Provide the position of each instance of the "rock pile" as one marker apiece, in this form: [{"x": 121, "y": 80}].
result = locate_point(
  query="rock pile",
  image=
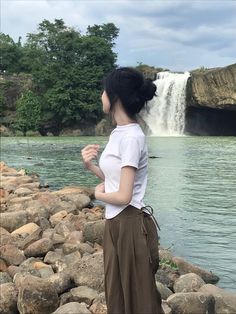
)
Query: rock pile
[{"x": 51, "y": 256}]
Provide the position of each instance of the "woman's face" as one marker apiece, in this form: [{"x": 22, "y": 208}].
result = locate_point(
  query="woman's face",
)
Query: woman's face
[{"x": 105, "y": 102}]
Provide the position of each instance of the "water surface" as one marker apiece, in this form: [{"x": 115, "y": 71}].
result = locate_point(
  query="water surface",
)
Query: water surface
[{"x": 192, "y": 187}]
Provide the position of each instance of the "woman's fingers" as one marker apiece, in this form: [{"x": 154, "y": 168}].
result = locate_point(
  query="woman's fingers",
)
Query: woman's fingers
[
  {"x": 89, "y": 152},
  {"x": 91, "y": 146}
]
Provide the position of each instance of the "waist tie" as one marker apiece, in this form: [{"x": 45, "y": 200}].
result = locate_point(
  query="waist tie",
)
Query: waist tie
[
  {"x": 150, "y": 214},
  {"x": 143, "y": 228}
]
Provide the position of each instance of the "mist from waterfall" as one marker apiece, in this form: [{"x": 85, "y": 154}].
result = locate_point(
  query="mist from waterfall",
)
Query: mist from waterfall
[{"x": 166, "y": 116}]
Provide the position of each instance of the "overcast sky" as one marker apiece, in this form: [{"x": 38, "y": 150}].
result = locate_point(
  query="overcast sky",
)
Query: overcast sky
[{"x": 178, "y": 35}]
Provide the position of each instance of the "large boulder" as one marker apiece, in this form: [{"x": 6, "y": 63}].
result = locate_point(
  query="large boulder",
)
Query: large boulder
[
  {"x": 93, "y": 231},
  {"x": 13, "y": 220},
  {"x": 89, "y": 271},
  {"x": 191, "y": 303},
  {"x": 186, "y": 267},
  {"x": 188, "y": 283},
  {"x": 225, "y": 302},
  {"x": 8, "y": 298},
  {"x": 36, "y": 296},
  {"x": 72, "y": 307}
]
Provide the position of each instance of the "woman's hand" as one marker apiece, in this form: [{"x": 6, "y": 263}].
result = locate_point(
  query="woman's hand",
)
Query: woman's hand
[
  {"x": 89, "y": 153},
  {"x": 100, "y": 188}
]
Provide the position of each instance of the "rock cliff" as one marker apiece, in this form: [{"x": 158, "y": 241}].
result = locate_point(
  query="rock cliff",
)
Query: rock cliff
[{"x": 213, "y": 88}]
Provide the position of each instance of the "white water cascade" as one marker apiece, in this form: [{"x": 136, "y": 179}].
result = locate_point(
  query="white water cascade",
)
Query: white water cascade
[{"x": 166, "y": 116}]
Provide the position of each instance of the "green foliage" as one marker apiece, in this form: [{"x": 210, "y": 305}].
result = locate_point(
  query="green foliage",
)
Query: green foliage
[
  {"x": 28, "y": 112},
  {"x": 67, "y": 69},
  {"x": 168, "y": 263},
  {"x": 11, "y": 54}
]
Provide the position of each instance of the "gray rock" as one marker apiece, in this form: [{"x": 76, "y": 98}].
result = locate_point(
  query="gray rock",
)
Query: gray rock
[
  {"x": 4, "y": 278},
  {"x": 52, "y": 256},
  {"x": 85, "y": 248},
  {"x": 188, "y": 283},
  {"x": 93, "y": 231},
  {"x": 61, "y": 281},
  {"x": 225, "y": 302},
  {"x": 72, "y": 307},
  {"x": 69, "y": 248},
  {"x": 11, "y": 254},
  {"x": 83, "y": 294},
  {"x": 13, "y": 220},
  {"x": 39, "y": 248},
  {"x": 185, "y": 267},
  {"x": 36, "y": 296},
  {"x": 8, "y": 298},
  {"x": 64, "y": 228},
  {"x": 35, "y": 210},
  {"x": 191, "y": 303},
  {"x": 164, "y": 291},
  {"x": 88, "y": 271}
]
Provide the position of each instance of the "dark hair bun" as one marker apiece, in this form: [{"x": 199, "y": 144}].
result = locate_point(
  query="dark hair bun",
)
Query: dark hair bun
[{"x": 148, "y": 89}]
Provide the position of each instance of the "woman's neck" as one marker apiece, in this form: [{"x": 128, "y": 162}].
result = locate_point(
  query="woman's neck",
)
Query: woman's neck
[{"x": 121, "y": 118}]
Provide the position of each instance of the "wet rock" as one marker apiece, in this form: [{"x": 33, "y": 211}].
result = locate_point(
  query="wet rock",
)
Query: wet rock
[
  {"x": 88, "y": 271},
  {"x": 13, "y": 220},
  {"x": 185, "y": 267},
  {"x": 72, "y": 307},
  {"x": 93, "y": 231},
  {"x": 191, "y": 303},
  {"x": 8, "y": 298},
  {"x": 83, "y": 294},
  {"x": 188, "y": 283},
  {"x": 39, "y": 248},
  {"x": 11, "y": 254},
  {"x": 36, "y": 296}
]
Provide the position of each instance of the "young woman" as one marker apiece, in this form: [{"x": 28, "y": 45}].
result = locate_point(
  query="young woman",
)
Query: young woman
[{"x": 131, "y": 256}]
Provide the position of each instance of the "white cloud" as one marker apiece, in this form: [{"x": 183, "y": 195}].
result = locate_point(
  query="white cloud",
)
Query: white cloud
[{"x": 171, "y": 34}]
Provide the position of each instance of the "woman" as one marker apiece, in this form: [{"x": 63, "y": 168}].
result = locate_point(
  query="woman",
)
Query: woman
[{"x": 130, "y": 237}]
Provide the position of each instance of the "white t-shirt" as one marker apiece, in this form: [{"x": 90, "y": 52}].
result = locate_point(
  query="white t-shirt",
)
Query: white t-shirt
[{"x": 126, "y": 147}]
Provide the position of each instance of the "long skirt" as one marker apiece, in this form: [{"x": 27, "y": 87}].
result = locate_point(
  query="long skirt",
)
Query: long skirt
[{"x": 131, "y": 260}]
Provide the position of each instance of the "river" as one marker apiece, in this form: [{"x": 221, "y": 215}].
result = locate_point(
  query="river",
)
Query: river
[{"x": 191, "y": 185}]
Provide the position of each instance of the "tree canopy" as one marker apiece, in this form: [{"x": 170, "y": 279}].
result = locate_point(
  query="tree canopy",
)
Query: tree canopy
[{"x": 67, "y": 69}]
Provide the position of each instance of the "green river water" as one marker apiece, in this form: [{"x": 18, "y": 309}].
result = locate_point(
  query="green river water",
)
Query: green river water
[{"x": 191, "y": 185}]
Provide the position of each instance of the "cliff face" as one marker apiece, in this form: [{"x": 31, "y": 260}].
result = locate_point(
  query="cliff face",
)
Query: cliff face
[
  {"x": 213, "y": 88},
  {"x": 211, "y": 102}
]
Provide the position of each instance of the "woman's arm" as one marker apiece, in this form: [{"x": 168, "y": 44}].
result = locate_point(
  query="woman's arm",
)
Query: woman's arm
[
  {"x": 124, "y": 194},
  {"x": 88, "y": 153}
]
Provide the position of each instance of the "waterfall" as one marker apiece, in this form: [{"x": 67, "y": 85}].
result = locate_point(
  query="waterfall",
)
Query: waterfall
[{"x": 166, "y": 114}]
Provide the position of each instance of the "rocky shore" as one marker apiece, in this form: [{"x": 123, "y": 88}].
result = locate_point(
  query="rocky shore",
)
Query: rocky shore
[{"x": 51, "y": 256}]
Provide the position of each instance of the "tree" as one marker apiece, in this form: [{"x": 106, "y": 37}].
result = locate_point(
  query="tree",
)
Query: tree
[
  {"x": 108, "y": 31},
  {"x": 67, "y": 69},
  {"x": 28, "y": 112},
  {"x": 10, "y": 54}
]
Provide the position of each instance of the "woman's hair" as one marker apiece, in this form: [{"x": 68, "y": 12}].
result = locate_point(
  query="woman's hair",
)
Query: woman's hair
[{"x": 130, "y": 87}]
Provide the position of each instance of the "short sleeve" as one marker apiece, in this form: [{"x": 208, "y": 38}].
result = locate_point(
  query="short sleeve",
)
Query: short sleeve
[{"x": 130, "y": 152}]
